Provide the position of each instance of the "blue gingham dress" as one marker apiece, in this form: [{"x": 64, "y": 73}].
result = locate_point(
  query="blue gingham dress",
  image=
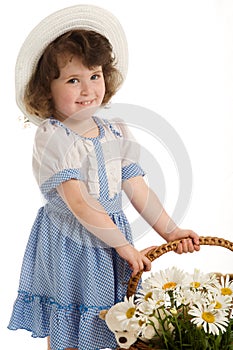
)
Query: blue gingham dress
[{"x": 68, "y": 275}]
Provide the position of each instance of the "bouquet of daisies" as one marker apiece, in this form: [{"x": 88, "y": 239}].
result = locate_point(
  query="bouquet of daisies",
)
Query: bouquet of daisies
[{"x": 176, "y": 310}]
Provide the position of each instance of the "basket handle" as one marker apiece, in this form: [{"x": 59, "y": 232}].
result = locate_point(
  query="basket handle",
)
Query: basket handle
[{"x": 155, "y": 253}]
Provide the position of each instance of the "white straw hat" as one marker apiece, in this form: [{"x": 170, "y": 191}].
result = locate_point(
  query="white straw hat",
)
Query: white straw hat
[{"x": 87, "y": 17}]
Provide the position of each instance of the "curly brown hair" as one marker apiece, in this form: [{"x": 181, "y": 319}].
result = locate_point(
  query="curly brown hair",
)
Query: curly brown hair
[{"x": 91, "y": 47}]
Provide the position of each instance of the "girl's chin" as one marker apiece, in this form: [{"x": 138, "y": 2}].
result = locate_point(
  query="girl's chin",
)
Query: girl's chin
[
  {"x": 82, "y": 114},
  {"x": 85, "y": 113}
]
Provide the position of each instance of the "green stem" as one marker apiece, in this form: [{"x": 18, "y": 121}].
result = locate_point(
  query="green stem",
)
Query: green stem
[{"x": 180, "y": 333}]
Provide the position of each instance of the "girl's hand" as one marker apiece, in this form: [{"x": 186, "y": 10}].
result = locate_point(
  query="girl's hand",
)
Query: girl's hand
[
  {"x": 190, "y": 240},
  {"x": 136, "y": 260}
]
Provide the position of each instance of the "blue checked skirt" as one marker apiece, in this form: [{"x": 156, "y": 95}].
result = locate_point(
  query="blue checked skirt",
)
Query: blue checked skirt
[{"x": 65, "y": 283}]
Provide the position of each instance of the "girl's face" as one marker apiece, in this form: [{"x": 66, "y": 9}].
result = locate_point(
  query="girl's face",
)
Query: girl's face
[{"x": 77, "y": 89}]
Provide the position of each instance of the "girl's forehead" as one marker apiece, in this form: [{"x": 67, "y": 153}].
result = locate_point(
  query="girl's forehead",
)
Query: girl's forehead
[
  {"x": 73, "y": 65},
  {"x": 68, "y": 59}
]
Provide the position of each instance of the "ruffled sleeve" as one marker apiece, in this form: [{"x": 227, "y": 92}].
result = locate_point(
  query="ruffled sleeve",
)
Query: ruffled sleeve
[
  {"x": 56, "y": 156},
  {"x": 130, "y": 151}
]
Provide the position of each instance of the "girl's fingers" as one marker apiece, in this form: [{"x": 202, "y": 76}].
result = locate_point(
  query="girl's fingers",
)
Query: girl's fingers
[
  {"x": 179, "y": 249},
  {"x": 147, "y": 264},
  {"x": 190, "y": 245},
  {"x": 135, "y": 266},
  {"x": 197, "y": 247},
  {"x": 143, "y": 264},
  {"x": 187, "y": 246}
]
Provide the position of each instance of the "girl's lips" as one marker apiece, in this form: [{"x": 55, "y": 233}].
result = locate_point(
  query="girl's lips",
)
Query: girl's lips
[{"x": 85, "y": 103}]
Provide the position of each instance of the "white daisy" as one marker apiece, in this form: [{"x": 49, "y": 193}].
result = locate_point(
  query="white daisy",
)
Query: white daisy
[
  {"x": 199, "y": 280},
  {"x": 150, "y": 307},
  {"x": 147, "y": 284},
  {"x": 221, "y": 302},
  {"x": 168, "y": 279},
  {"x": 149, "y": 301},
  {"x": 225, "y": 286},
  {"x": 122, "y": 316},
  {"x": 144, "y": 295},
  {"x": 126, "y": 312},
  {"x": 212, "y": 320},
  {"x": 185, "y": 297}
]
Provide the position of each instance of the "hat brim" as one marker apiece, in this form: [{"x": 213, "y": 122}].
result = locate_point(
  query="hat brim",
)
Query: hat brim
[{"x": 87, "y": 17}]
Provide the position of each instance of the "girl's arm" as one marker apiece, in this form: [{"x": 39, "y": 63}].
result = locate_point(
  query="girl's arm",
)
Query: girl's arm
[
  {"x": 148, "y": 205},
  {"x": 95, "y": 219}
]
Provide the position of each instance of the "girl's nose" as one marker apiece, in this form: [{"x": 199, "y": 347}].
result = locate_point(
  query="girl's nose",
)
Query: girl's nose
[{"x": 85, "y": 88}]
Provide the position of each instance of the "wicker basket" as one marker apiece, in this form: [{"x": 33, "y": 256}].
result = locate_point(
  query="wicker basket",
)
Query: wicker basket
[{"x": 156, "y": 253}]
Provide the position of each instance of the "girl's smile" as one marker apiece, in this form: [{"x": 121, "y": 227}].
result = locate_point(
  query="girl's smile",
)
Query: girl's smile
[{"x": 76, "y": 89}]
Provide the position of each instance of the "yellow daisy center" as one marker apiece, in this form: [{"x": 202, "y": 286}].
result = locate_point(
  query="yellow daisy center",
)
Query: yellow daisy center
[
  {"x": 141, "y": 323},
  {"x": 208, "y": 317},
  {"x": 148, "y": 296},
  {"x": 130, "y": 312},
  {"x": 226, "y": 291},
  {"x": 169, "y": 285},
  {"x": 195, "y": 284},
  {"x": 218, "y": 305}
]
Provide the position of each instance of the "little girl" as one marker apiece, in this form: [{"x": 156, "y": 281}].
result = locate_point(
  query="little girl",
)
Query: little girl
[{"x": 80, "y": 253}]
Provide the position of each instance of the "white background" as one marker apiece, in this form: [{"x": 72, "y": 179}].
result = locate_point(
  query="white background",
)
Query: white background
[{"x": 181, "y": 67}]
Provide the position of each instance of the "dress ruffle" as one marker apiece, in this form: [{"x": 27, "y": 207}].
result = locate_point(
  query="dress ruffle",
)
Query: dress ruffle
[{"x": 73, "y": 324}]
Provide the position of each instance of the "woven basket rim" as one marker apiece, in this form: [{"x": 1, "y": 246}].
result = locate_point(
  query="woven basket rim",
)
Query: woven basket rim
[{"x": 155, "y": 253}]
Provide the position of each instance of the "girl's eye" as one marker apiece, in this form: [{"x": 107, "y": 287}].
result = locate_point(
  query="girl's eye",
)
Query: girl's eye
[
  {"x": 95, "y": 76},
  {"x": 73, "y": 81}
]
